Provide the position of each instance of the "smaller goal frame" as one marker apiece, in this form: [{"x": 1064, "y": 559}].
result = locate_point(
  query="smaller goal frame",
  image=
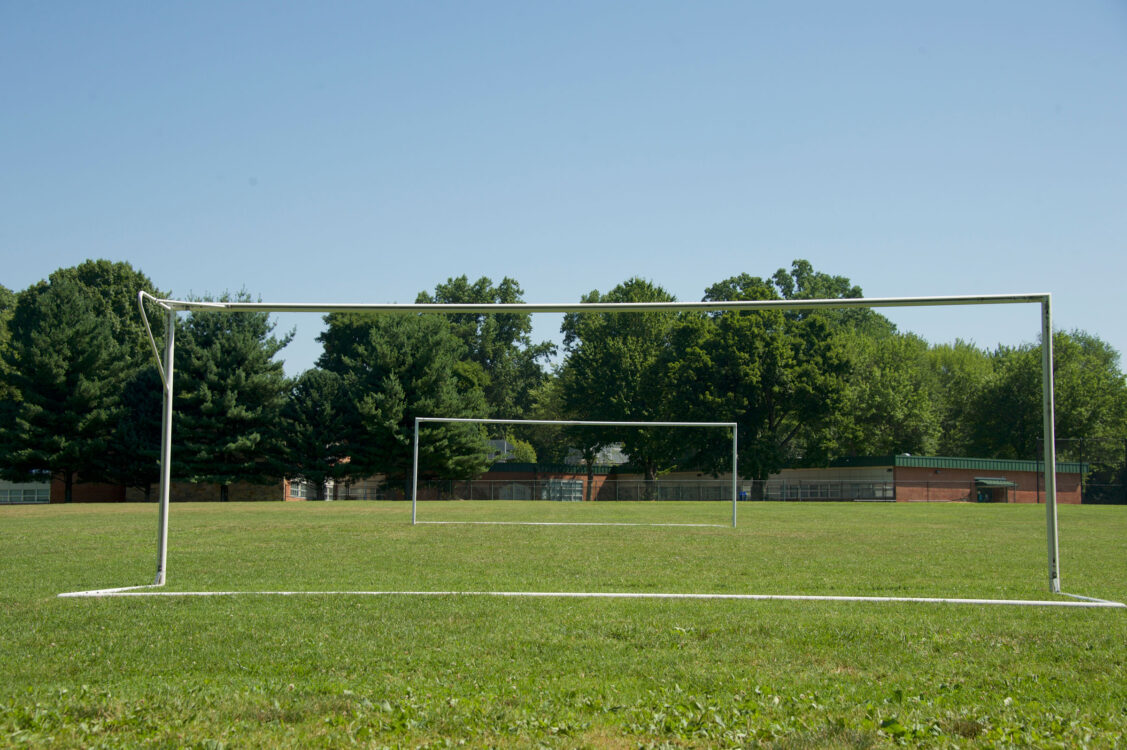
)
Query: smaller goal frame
[{"x": 565, "y": 422}]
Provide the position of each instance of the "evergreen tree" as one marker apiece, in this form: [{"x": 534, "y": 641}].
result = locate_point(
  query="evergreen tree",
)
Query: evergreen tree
[
  {"x": 112, "y": 287},
  {"x": 8, "y": 393},
  {"x": 393, "y": 369},
  {"x": 313, "y": 427},
  {"x": 7, "y": 306},
  {"x": 67, "y": 368},
  {"x": 135, "y": 444},
  {"x": 229, "y": 393}
]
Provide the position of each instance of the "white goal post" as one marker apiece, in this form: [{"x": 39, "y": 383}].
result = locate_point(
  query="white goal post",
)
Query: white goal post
[
  {"x": 172, "y": 306},
  {"x": 419, "y": 421}
]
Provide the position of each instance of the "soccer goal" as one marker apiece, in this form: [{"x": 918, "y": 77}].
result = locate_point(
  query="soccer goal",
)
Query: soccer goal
[
  {"x": 171, "y": 307},
  {"x": 420, "y": 421}
]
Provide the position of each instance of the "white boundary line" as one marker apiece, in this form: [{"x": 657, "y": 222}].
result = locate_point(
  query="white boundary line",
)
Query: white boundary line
[
  {"x": 1087, "y": 598},
  {"x": 136, "y": 591},
  {"x": 574, "y": 523}
]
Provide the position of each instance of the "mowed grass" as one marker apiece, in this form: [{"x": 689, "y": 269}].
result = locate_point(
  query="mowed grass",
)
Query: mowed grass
[{"x": 483, "y": 671}]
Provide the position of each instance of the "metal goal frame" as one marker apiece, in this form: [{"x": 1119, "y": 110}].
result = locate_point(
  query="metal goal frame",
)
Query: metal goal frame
[{"x": 171, "y": 307}]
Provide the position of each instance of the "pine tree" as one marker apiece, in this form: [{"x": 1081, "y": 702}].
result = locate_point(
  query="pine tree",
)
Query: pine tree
[
  {"x": 395, "y": 368},
  {"x": 313, "y": 424},
  {"x": 229, "y": 393},
  {"x": 135, "y": 448},
  {"x": 66, "y": 367}
]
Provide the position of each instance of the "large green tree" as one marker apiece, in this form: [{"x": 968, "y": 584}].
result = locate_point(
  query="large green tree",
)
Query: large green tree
[
  {"x": 889, "y": 404},
  {"x": 614, "y": 370},
  {"x": 112, "y": 287},
  {"x": 781, "y": 377},
  {"x": 7, "y": 307},
  {"x": 135, "y": 440},
  {"x": 499, "y": 343},
  {"x": 958, "y": 373},
  {"x": 1091, "y": 401},
  {"x": 229, "y": 392},
  {"x": 550, "y": 442},
  {"x": 803, "y": 282},
  {"x": 394, "y": 368},
  {"x": 314, "y": 425},
  {"x": 67, "y": 368}
]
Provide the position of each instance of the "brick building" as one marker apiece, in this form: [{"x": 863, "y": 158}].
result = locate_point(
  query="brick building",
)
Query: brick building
[
  {"x": 907, "y": 478},
  {"x": 901, "y": 478}
]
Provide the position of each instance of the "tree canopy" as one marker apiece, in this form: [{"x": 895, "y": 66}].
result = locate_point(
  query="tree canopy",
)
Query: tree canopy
[
  {"x": 7, "y": 308},
  {"x": 313, "y": 424},
  {"x": 230, "y": 390},
  {"x": 80, "y": 397},
  {"x": 499, "y": 344},
  {"x": 394, "y": 368},
  {"x": 67, "y": 368},
  {"x": 780, "y": 376},
  {"x": 615, "y": 371}
]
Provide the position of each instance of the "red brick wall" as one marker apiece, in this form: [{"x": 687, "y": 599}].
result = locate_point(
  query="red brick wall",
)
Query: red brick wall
[
  {"x": 87, "y": 492},
  {"x": 914, "y": 484},
  {"x": 181, "y": 492},
  {"x": 597, "y": 483}
]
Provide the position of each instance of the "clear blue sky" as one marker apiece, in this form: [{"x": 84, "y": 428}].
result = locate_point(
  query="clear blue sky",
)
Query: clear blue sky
[{"x": 364, "y": 151}]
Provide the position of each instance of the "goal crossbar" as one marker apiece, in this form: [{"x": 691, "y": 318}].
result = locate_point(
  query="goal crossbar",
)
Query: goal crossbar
[
  {"x": 419, "y": 421},
  {"x": 496, "y": 308},
  {"x": 171, "y": 307}
]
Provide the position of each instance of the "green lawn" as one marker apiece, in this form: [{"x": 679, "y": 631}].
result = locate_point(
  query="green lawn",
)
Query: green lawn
[{"x": 484, "y": 671}]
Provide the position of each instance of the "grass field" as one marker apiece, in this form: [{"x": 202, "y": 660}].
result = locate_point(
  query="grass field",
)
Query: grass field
[{"x": 481, "y": 671}]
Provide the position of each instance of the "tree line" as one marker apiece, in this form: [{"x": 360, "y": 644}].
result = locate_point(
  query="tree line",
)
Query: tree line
[{"x": 80, "y": 395}]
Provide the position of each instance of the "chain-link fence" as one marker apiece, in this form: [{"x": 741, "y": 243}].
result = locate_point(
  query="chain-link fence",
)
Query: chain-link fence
[{"x": 574, "y": 490}]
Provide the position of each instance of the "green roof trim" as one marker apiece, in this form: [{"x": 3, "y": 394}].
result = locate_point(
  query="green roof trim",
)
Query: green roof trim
[
  {"x": 947, "y": 462},
  {"x": 993, "y": 482}
]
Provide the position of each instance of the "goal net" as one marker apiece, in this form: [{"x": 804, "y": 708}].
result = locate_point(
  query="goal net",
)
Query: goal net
[{"x": 574, "y": 483}]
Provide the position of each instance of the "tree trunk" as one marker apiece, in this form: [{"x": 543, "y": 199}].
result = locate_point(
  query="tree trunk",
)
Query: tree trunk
[
  {"x": 651, "y": 478},
  {"x": 758, "y": 489},
  {"x": 224, "y": 495}
]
